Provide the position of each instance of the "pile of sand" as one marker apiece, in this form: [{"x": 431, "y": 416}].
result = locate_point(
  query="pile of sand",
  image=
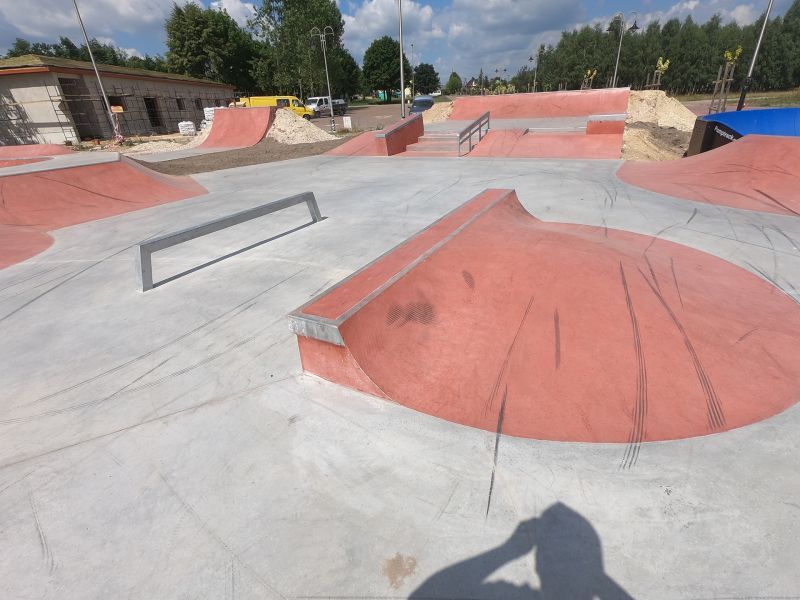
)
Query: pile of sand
[
  {"x": 289, "y": 128},
  {"x": 438, "y": 112},
  {"x": 654, "y": 106},
  {"x": 648, "y": 141}
]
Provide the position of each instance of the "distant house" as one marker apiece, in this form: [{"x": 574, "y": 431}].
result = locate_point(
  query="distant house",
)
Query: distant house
[{"x": 55, "y": 100}]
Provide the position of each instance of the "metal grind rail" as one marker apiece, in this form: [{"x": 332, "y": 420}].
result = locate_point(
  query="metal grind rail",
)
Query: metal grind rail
[
  {"x": 470, "y": 130},
  {"x": 144, "y": 267}
]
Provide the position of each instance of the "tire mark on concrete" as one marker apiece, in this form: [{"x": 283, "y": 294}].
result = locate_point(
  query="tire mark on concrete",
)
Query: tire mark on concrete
[
  {"x": 507, "y": 359},
  {"x": 58, "y": 285},
  {"x": 694, "y": 214},
  {"x": 675, "y": 279},
  {"x": 637, "y": 434},
  {"x": 221, "y": 318},
  {"x": 714, "y": 412},
  {"x": 204, "y": 526},
  {"x": 47, "y": 554},
  {"x": 499, "y": 432}
]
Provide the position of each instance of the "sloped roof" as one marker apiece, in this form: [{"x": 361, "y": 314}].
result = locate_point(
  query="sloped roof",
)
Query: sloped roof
[{"x": 36, "y": 60}]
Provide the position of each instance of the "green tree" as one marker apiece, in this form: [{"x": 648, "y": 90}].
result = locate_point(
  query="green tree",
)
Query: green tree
[
  {"x": 426, "y": 79},
  {"x": 208, "y": 43},
  {"x": 381, "y": 69},
  {"x": 289, "y": 59},
  {"x": 453, "y": 84}
]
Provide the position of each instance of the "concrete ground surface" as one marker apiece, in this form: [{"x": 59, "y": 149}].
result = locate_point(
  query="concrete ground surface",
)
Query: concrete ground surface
[{"x": 168, "y": 445}]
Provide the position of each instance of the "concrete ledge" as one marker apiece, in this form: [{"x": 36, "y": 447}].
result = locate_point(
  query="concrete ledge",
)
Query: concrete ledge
[
  {"x": 599, "y": 124},
  {"x": 398, "y": 136}
]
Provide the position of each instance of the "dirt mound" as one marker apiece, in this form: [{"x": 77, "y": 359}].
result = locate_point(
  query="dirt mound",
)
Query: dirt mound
[
  {"x": 648, "y": 141},
  {"x": 655, "y": 107},
  {"x": 288, "y": 128},
  {"x": 438, "y": 112}
]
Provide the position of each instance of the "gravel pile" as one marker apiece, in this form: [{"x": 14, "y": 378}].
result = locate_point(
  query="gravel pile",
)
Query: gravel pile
[
  {"x": 654, "y": 106},
  {"x": 438, "y": 112},
  {"x": 147, "y": 147},
  {"x": 289, "y": 128}
]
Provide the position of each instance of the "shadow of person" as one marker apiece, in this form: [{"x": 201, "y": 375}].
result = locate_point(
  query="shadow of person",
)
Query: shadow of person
[{"x": 569, "y": 564}]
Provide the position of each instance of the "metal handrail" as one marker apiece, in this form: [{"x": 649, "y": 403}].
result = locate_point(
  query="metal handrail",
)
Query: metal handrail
[
  {"x": 145, "y": 250},
  {"x": 475, "y": 127}
]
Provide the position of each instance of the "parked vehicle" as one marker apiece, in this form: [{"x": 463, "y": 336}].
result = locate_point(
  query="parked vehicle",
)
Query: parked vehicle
[
  {"x": 291, "y": 102},
  {"x": 319, "y": 104},
  {"x": 421, "y": 104}
]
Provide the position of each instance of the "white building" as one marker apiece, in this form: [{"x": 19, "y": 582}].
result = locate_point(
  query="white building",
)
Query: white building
[{"x": 55, "y": 100}]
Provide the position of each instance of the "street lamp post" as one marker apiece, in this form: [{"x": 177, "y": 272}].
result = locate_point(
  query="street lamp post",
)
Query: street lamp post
[
  {"x": 111, "y": 118},
  {"x": 402, "y": 74},
  {"x": 622, "y": 28},
  {"x": 315, "y": 32},
  {"x": 413, "y": 75},
  {"x": 748, "y": 80}
]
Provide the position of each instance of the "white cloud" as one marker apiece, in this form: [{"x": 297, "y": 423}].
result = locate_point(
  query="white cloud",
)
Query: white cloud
[
  {"x": 376, "y": 18},
  {"x": 53, "y": 18},
  {"x": 238, "y": 10}
]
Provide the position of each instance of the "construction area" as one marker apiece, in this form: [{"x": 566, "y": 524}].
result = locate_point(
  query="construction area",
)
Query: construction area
[{"x": 519, "y": 346}]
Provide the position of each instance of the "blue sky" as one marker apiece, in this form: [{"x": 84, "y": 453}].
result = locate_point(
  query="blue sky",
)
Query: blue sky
[{"x": 465, "y": 35}]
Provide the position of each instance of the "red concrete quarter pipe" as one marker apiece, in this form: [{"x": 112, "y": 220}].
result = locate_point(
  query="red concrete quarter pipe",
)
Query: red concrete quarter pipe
[
  {"x": 756, "y": 172},
  {"x": 577, "y": 103},
  {"x": 239, "y": 127},
  {"x": 494, "y": 319},
  {"x": 38, "y": 202}
]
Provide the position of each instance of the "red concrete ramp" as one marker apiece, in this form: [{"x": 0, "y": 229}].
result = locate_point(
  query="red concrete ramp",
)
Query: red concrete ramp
[
  {"x": 576, "y": 103},
  {"x": 493, "y": 319},
  {"x": 756, "y": 172},
  {"x": 34, "y": 203},
  {"x": 239, "y": 127},
  {"x": 33, "y": 150}
]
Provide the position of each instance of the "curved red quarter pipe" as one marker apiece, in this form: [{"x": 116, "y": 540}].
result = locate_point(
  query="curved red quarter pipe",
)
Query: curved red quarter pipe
[
  {"x": 575, "y": 103},
  {"x": 239, "y": 127},
  {"x": 38, "y": 202},
  {"x": 756, "y": 172},
  {"x": 32, "y": 150},
  {"x": 493, "y": 319}
]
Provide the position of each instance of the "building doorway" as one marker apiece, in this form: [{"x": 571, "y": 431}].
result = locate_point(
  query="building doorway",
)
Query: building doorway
[
  {"x": 151, "y": 105},
  {"x": 79, "y": 106}
]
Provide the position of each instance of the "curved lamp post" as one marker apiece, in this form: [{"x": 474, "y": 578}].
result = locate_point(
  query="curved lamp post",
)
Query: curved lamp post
[
  {"x": 749, "y": 79},
  {"x": 328, "y": 31},
  {"x": 623, "y": 27}
]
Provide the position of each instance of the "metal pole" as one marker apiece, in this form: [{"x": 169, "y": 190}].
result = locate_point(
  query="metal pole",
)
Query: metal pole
[
  {"x": 328, "y": 79},
  {"x": 402, "y": 74},
  {"x": 749, "y": 79},
  {"x": 413, "y": 75},
  {"x": 111, "y": 120},
  {"x": 619, "y": 49}
]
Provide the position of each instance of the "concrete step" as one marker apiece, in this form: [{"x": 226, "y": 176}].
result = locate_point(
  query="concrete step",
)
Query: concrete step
[{"x": 447, "y": 146}]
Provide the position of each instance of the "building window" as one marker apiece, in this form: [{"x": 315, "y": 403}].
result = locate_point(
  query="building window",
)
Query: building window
[
  {"x": 216, "y": 101},
  {"x": 198, "y": 104},
  {"x": 181, "y": 103},
  {"x": 117, "y": 101}
]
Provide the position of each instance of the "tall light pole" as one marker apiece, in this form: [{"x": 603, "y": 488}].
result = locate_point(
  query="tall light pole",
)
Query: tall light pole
[
  {"x": 402, "y": 74},
  {"x": 413, "y": 75},
  {"x": 315, "y": 32},
  {"x": 622, "y": 29},
  {"x": 749, "y": 79},
  {"x": 111, "y": 119}
]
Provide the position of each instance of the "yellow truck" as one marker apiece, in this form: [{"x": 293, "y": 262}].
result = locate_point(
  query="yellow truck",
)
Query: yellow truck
[{"x": 290, "y": 102}]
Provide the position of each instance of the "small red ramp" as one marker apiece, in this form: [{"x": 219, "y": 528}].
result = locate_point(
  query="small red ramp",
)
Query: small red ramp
[
  {"x": 38, "y": 202},
  {"x": 756, "y": 172},
  {"x": 239, "y": 127},
  {"x": 494, "y": 319}
]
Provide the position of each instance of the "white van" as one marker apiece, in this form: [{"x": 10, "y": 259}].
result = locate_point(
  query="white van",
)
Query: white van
[{"x": 319, "y": 104}]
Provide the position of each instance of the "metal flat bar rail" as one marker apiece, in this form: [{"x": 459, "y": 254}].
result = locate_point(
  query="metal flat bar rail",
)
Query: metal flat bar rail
[
  {"x": 475, "y": 127},
  {"x": 144, "y": 263}
]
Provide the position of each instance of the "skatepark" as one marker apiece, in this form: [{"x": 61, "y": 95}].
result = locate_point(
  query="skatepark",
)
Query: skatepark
[{"x": 511, "y": 365}]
